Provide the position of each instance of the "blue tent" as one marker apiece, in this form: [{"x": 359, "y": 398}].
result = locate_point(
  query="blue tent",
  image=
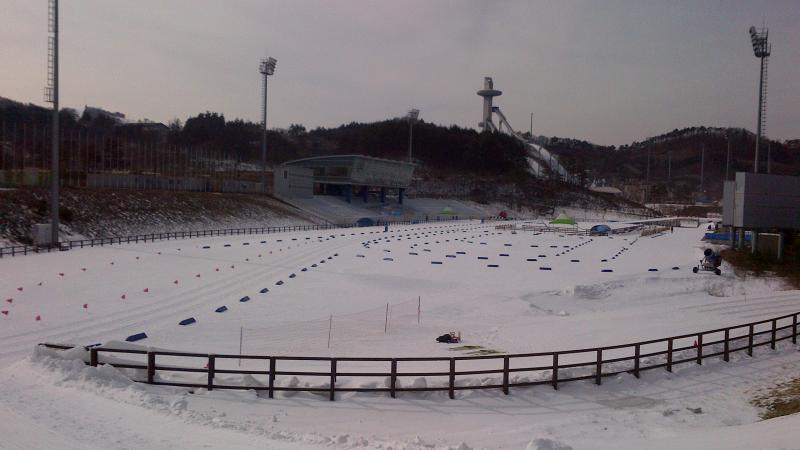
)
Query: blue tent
[{"x": 600, "y": 230}]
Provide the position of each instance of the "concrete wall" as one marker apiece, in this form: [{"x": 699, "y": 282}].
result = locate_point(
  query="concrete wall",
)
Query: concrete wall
[
  {"x": 24, "y": 177},
  {"x": 150, "y": 182},
  {"x": 241, "y": 186},
  {"x": 294, "y": 182},
  {"x": 764, "y": 201}
]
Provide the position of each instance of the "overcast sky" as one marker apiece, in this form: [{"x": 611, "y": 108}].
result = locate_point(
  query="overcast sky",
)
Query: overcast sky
[{"x": 606, "y": 71}]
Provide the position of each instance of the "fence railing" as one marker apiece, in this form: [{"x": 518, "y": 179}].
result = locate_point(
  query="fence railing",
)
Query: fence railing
[
  {"x": 553, "y": 368},
  {"x": 18, "y": 250}
]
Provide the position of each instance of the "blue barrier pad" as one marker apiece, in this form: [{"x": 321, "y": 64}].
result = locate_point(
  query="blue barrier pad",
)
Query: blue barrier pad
[
  {"x": 136, "y": 337},
  {"x": 545, "y": 268},
  {"x": 575, "y": 260},
  {"x": 676, "y": 268},
  {"x": 450, "y": 256},
  {"x": 360, "y": 256},
  {"x": 221, "y": 309},
  {"x": 507, "y": 245},
  {"x": 227, "y": 245},
  {"x": 603, "y": 260},
  {"x": 292, "y": 276},
  {"x": 483, "y": 257},
  {"x": 503, "y": 254},
  {"x": 461, "y": 253},
  {"x": 245, "y": 243},
  {"x": 188, "y": 321},
  {"x": 531, "y": 259},
  {"x": 313, "y": 265},
  {"x": 244, "y": 299},
  {"x": 263, "y": 291},
  {"x": 388, "y": 259},
  {"x": 436, "y": 262},
  {"x": 206, "y": 246},
  {"x": 413, "y": 253},
  {"x": 493, "y": 265},
  {"x": 606, "y": 270},
  {"x": 652, "y": 270},
  {"x": 280, "y": 282}
]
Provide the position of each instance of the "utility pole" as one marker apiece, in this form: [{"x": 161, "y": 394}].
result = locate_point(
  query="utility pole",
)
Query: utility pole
[
  {"x": 51, "y": 95},
  {"x": 702, "y": 165},
  {"x": 728, "y": 159},
  {"x": 412, "y": 115},
  {"x": 769, "y": 157},
  {"x": 669, "y": 167}
]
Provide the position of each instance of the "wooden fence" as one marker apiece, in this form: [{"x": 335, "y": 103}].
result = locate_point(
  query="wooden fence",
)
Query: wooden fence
[
  {"x": 20, "y": 250},
  {"x": 595, "y": 363}
]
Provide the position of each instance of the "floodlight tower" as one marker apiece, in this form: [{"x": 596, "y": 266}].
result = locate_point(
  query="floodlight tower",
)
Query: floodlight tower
[
  {"x": 51, "y": 96},
  {"x": 488, "y": 93},
  {"x": 762, "y": 49},
  {"x": 266, "y": 68},
  {"x": 412, "y": 116}
]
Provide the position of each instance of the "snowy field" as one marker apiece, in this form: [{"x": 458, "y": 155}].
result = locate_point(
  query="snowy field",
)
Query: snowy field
[{"x": 386, "y": 294}]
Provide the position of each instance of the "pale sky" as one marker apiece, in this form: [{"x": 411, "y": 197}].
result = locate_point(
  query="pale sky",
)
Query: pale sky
[{"x": 606, "y": 71}]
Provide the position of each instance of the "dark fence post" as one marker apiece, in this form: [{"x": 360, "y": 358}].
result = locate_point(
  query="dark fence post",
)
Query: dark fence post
[
  {"x": 637, "y": 352},
  {"x": 452, "y": 378},
  {"x": 598, "y": 376},
  {"x": 505, "y": 374},
  {"x": 774, "y": 331},
  {"x": 93, "y": 357},
  {"x": 727, "y": 351},
  {"x": 555, "y": 371},
  {"x": 669, "y": 355},
  {"x": 750, "y": 342},
  {"x": 211, "y": 363},
  {"x": 700, "y": 348},
  {"x": 393, "y": 382},
  {"x": 794, "y": 329},
  {"x": 271, "y": 377},
  {"x": 333, "y": 379},
  {"x": 151, "y": 367}
]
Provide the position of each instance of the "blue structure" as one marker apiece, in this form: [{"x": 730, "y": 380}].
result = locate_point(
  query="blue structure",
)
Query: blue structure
[
  {"x": 136, "y": 337},
  {"x": 600, "y": 230}
]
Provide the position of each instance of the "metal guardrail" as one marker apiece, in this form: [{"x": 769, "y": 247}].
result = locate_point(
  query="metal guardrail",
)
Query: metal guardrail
[
  {"x": 602, "y": 362},
  {"x": 20, "y": 250}
]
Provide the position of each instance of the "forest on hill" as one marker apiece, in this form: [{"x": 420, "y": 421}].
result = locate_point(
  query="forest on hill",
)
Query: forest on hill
[{"x": 669, "y": 164}]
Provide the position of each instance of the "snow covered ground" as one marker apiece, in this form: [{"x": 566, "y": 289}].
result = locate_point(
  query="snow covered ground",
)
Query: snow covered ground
[{"x": 104, "y": 294}]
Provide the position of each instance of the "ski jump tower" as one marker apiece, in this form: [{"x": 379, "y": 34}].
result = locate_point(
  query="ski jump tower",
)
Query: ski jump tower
[
  {"x": 488, "y": 93},
  {"x": 539, "y": 158}
]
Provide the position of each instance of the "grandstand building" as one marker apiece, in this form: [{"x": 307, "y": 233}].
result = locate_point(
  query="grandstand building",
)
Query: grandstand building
[{"x": 344, "y": 175}]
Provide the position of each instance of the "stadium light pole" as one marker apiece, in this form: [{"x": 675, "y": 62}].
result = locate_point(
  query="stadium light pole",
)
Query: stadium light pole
[
  {"x": 762, "y": 49},
  {"x": 266, "y": 69},
  {"x": 412, "y": 115},
  {"x": 51, "y": 96}
]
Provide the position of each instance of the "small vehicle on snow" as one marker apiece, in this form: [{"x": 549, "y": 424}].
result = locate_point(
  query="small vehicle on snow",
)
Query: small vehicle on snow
[
  {"x": 450, "y": 338},
  {"x": 710, "y": 262}
]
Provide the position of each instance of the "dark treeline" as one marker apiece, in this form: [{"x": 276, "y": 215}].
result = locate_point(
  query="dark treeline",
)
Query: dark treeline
[{"x": 445, "y": 148}]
